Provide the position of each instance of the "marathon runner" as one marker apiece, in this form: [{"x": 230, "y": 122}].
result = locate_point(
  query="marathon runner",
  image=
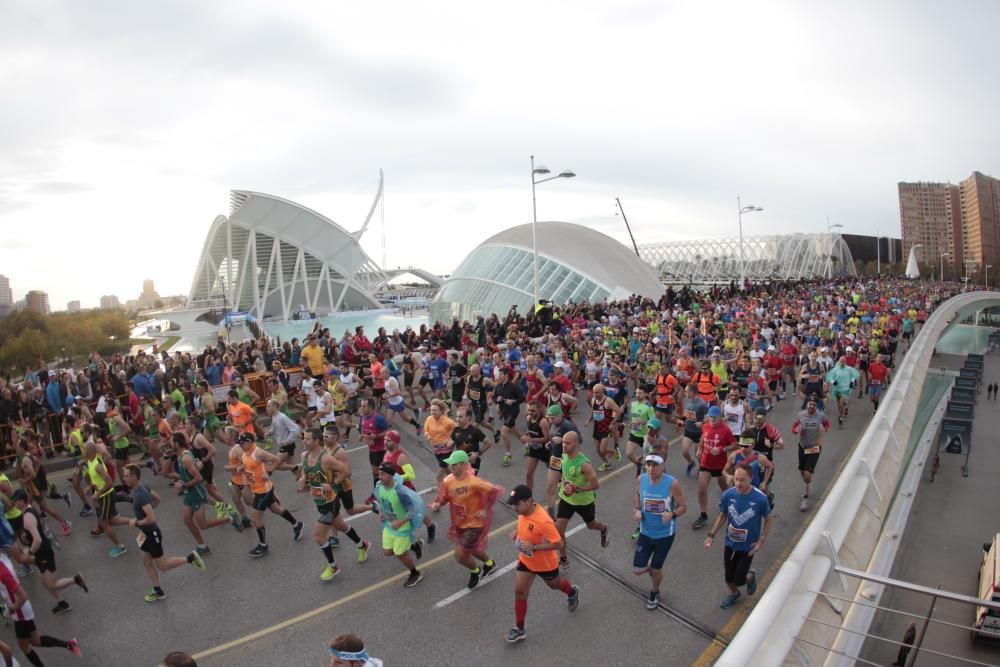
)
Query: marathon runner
[
  {"x": 15, "y": 604},
  {"x": 191, "y": 483},
  {"x": 716, "y": 443},
  {"x": 810, "y": 426},
  {"x": 536, "y": 440},
  {"x": 658, "y": 501},
  {"x": 401, "y": 509},
  {"x": 256, "y": 465},
  {"x": 603, "y": 414},
  {"x": 395, "y": 455},
  {"x": 577, "y": 493}
]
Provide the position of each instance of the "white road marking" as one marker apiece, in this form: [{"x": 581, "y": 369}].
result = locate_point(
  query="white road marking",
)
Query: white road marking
[{"x": 496, "y": 575}]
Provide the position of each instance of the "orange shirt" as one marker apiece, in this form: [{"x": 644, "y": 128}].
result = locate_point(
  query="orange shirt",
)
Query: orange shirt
[
  {"x": 164, "y": 430},
  {"x": 242, "y": 416},
  {"x": 467, "y": 497},
  {"x": 255, "y": 473},
  {"x": 438, "y": 431},
  {"x": 538, "y": 528},
  {"x": 235, "y": 459}
]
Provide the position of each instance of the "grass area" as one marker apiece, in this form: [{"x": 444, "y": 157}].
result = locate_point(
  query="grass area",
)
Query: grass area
[{"x": 167, "y": 343}]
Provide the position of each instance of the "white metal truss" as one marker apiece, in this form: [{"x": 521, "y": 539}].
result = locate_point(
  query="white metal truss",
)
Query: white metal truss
[{"x": 780, "y": 257}]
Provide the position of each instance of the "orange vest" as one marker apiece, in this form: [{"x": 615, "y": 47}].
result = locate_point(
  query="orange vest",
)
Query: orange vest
[
  {"x": 706, "y": 387},
  {"x": 255, "y": 473},
  {"x": 665, "y": 389}
]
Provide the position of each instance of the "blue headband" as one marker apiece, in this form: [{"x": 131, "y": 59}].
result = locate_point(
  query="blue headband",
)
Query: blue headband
[{"x": 345, "y": 655}]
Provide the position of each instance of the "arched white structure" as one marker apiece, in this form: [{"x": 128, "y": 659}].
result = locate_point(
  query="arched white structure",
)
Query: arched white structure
[
  {"x": 787, "y": 256},
  {"x": 575, "y": 264},
  {"x": 272, "y": 256}
]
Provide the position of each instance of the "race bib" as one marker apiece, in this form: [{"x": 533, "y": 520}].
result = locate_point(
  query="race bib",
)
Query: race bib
[
  {"x": 598, "y": 415},
  {"x": 732, "y": 418},
  {"x": 689, "y": 414},
  {"x": 875, "y": 383},
  {"x": 474, "y": 394},
  {"x": 636, "y": 424},
  {"x": 317, "y": 492},
  {"x": 811, "y": 450},
  {"x": 555, "y": 463},
  {"x": 654, "y": 505},
  {"x": 736, "y": 534}
]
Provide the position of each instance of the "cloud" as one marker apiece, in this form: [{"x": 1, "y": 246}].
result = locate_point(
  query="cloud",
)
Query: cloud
[{"x": 58, "y": 188}]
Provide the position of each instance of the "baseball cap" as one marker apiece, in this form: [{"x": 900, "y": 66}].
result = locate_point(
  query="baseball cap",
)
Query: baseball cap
[
  {"x": 554, "y": 411},
  {"x": 519, "y": 493},
  {"x": 654, "y": 458},
  {"x": 771, "y": 347},
  {"x": 392, "y": 435},
  {"x": 654, "y": 423},
  {"x": 635, "y": 329},
  {"x": 246, "y": 437},
  {"x": 560, "y": 365},
  {"x": 457, "y": 456},
  {"x": 714, "y": 411},
  {"x": 333, "y": 371},
  {"x": 656, "y": 340},
  {"x": 387, "y": 468}
]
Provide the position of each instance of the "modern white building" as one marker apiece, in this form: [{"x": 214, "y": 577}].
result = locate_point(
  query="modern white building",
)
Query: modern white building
[
  {"x": 575, "y": 264},
  {"x": 274, "y": 258}
]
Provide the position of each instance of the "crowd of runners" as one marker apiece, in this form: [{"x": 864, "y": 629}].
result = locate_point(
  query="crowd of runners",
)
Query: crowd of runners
[{"x": 567, "y": 392}]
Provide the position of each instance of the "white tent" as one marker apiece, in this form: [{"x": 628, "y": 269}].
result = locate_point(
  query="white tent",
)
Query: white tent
[{"x": 912, "y": 270}]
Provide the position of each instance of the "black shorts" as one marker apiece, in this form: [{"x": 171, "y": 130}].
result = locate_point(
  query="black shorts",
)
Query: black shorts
[
  {"x": 378, "y": 392},
  {"x": 121, "y": 454},
  {"x": 600, "y": 435},
  {"x": 208, "y": 471},
  {"x": 287, "y": 449},
  {"x": 346, "y": 499},
  {"x": 509, "y": 419},
  {"x": 375, "y": 458},
  {"x": 737, "y": 565},
  {"x": 807, "y": 462},
  {"x": 441, "y": 458},
  {"x": 693, "y": 437},
  {"x": 862, "y": 365},
  {"x": 153, "y": 543},
  {"x": 546, "y": 576},
  {"x": 45, "y": 559},
  {"x": 467, "y": 537},
  {"x": 17, "y": 523},
  {"x": 566, "y": 511},
  {"x": 665, "y": 410},
  {"x": 478, "y": 411},
  {"x": 712, "y": 471},
  {"x": 24, "y": 629},
  {"x": 106, "y": 509},
  {"x": 407, "y": 379},
  {"x": 328, "y": 512},
  {"x": 261, "y": 501},
  {"x": 425, "y": 380},
  {"x": 907, "y": 335},
  {"x": 539, "y": 453},
  {"x": 635, "y": 439}
]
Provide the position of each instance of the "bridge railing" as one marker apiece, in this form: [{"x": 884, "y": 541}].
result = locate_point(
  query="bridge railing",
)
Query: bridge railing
[{"x": 847, "y": 525}]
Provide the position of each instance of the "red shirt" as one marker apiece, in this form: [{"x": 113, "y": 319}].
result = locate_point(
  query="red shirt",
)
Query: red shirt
[
  {"x": 773, "y": 365},
  {"x": 715, "y": 438},
  {"x": 878, "y": 372}
]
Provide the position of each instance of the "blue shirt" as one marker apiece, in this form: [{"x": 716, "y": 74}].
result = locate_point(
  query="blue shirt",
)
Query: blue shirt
[
  {"x": 654, "y": 499},
  {"x": 438, "y": 368},
  {"x": 54, "y": 396},
  {"x": 213, "y": 374},
  {"x": 745, "y": 516},
  {"x": 140, "y": 382}
]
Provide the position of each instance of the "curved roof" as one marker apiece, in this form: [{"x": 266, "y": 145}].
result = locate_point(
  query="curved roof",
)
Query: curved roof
[{"x": 596, "y": 255}]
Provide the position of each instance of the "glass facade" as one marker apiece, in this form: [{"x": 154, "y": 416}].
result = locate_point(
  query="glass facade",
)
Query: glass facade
[{"x": 492, "y": 278}]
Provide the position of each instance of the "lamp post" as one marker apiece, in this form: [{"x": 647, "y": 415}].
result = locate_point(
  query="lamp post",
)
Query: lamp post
[
  {"x": 943, "y": 255},
  {"x": 987, "y": 281},
  {"x": 539, "y": 171},
  {"x": 967, "y": 262},
  {"x": 829, "y": 231},
  {"x": 741, "y": 210}
]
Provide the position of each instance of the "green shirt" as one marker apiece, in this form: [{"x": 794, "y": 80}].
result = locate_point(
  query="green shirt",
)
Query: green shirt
[
  {"x": 392, "y": 510},
  {"x": 639, "y": 416},
  {"x": 121, "y": 442},
  {"x": 572, "y": 472},
  {"x": 177, "y": 398}
]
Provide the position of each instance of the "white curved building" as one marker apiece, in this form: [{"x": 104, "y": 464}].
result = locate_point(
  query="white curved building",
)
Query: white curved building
[
  {"x": 785, "y": 256},
  {"x": 575, "y": 264},
  {"x": 273, "y": 258}
]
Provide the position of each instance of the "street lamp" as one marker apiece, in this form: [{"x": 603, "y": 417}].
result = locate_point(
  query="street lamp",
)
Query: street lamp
[
  {"x": 829, "y": 259},
  {"x": 943, "y": 255},
  {"x": 539, "y": 171},
  {"x": 987, "y": 281},
  {"x": 967, "y": 262},
  {"x": 743, "y": 209}
]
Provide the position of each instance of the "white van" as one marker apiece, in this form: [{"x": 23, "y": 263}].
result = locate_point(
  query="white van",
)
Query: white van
[{"x": 987, "y": 623}]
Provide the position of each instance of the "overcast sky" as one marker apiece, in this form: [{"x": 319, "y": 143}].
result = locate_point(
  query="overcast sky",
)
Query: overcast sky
[{"x": 124, "y": 124}]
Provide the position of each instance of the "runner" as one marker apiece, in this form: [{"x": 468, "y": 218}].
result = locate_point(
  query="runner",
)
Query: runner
[
  {"x": 372, "y": 428},
  {"x": 747, "y": 514},
  {"x": 603, "y": 414},
  {"x": 477, "y": 388},
  {"x": 761, "y": 470},
  {"x": 284, "y": 433},
  {"x": 35, "y": 482},
  {"x": 878, "y": 373},
  {"x": 810, "y": 426},
  {"x": 639, "y": 413},
  {"x": 394, "y": 401},
  {"x": 349, "y": 651},
  {"x": 690, "y": 423},
  {"x": 103, "y": 491},
  {"x": 150, "y": 539},
  {"x": 577, "y": 493},
  {"x": 537, "y": 541},
  {"x": 204, "y": 452},
  {"x": 471, "y": 501},
  {"x": 535, "y": 442},
  {"x": 191, "y": 482},
  {"x": 716, "y": 443},
  {"x": 395, "y": 455},
  {"x": 842, "y": 379},
  {"x": 401, "y": 509},
  {"x": 735, "y": 411},
  {"x": 241, "y": 415},
  {"x": 41, "y": 554},
  {"x": 240, "y": 492},
  {"x": 17, "y": 606},
  {"x": 658, "y": 501},
  {"x": 256, "y": 468},
  {"x": 559, "y": 426},
  {"x": 467, "y": 437},
  {"x": 508, "y": 396},
  {"x": 437, "y": 429}
]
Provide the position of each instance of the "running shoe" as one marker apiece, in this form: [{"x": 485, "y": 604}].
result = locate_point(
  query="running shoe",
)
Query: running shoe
[
  {"x": 97, "y": 532},
  {"x": 515, "y": 635},
  {"x": 573, "y": 599},
  {"x": 506, "y": 460},
  {"x": 496, "y": 437},
  {"x": 635, "y": 534},
  {"x": 604, "y": 537},
  {"x": 486, "y": 569},
  {"x": 689, "y": 469},
  {"x": 431, "y": 532},
  {"x": 363, "y": 551},
  {"x": 730, "y": 600},
  {"x": 234, "y": 518},
  {"x": 413, "y": 579},
  {"x": 418, "y": 548},
  {"x": 60, "y": 607},
  {"x": 334, "y": 543},
  {"x": 654, "y": 600},
  {"x": 117, "y": 551},
  {"x": 86, "y": 511},
  {"x": 74, "y": 647},
  {"x": 618, "y": 454},
  {"x": 804, "y": 505},
  {"x": 196, "y": 561},
  {"x": 604, "y": 467},
  {"x": 24, "y": 571},
  {"x": 258, "y": 551},
  {"x": 65, "y": 498},
  {"x": 203, "y": 551},
  {"x": 153, "y": 596},
  {"x": 700, "y": 521},
  {"x": 66, "y": 528},
  {"x": 751, "y": 582},
  {"x": 245, "y": 522},
  {"x": 297, "y": 530},
  {"x": 563, "y": 564},
  {"x": 220, "y": 510},
  {"x": 78, "y": 580},
  {"x": 329, "y": 572},
  {"x": 474, "y": 578}
]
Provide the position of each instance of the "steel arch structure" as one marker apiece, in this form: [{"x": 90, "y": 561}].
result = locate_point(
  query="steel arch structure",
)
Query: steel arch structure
[{"x": 779, "y": 257}]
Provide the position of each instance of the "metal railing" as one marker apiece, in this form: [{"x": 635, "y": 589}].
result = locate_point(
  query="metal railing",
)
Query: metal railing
[{"x": 848, "y": 524}]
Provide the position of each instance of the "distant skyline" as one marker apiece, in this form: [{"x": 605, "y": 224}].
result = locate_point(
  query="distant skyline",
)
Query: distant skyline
[{"x": 126, "y": 124}]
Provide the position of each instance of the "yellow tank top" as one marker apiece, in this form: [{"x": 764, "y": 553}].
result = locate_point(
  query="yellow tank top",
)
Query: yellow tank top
[
  {"x": 13, "y": 512},
  {"x": 95, "y": 477}
]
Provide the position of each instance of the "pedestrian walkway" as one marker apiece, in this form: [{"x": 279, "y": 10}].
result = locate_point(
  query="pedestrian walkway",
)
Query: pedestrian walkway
[{"x": 951, "y": 519}]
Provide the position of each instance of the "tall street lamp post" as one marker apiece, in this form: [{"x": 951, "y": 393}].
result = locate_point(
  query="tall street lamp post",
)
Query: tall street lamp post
[
  {"x": 741, "y": 210},
  {"x": 539, "y": 171}
]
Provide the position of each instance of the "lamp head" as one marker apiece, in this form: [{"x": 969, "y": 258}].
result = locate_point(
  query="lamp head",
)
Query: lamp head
[
  {"x": 567, "y": 173},
  {"x": 541, "y": 170}
]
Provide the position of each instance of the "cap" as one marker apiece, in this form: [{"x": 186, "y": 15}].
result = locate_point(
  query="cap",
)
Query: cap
[
  {"x": 560, "y": 365},
  {"x": 771, "y": 347},
  {"x": 654, "y": 423},
  {"x": 387, "y": 468},
  {"x": 246, "y": 437},
  {"x": 457, "y": 456},
  {"x": 850, "y": 349},
  {"x": 746, "y": 441},
  {"x": 52, "y": 374},
  {"x": 656, "y": 340},
  {"x": 519, "y": 493},
  {"x": 635, "y": 329},
  {"x": 554, "y": 411},
  {"x": 716, "y": 349},
  {"x": 392, "y": 435},
  {"x": 714, "y": 411},
  {"x": 654, "y": 458},
  {"x": 333, "y": 371}
]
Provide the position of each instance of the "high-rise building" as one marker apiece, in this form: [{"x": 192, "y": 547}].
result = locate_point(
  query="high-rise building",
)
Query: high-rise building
[
  {"x": 980, "y": 196},
  {"x": 6, "y": 296},
  {"x": 37, "y": 302},
  {"x": 149, "y": 297},
  {"x": 73, "y": 307},
  {"x": 930, "y": 215},
  {"x": 110, "y": 302}
]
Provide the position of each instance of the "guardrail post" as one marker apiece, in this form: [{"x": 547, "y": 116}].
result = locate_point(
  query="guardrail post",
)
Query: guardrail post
[{"x": 831, "y": 551}]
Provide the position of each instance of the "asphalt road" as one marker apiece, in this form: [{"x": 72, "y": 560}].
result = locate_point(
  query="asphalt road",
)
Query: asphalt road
[{"x": 275, "y": 610}]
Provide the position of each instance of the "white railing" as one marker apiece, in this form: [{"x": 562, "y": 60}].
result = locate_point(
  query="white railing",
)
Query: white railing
[{"x": 847, "y": 525}]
